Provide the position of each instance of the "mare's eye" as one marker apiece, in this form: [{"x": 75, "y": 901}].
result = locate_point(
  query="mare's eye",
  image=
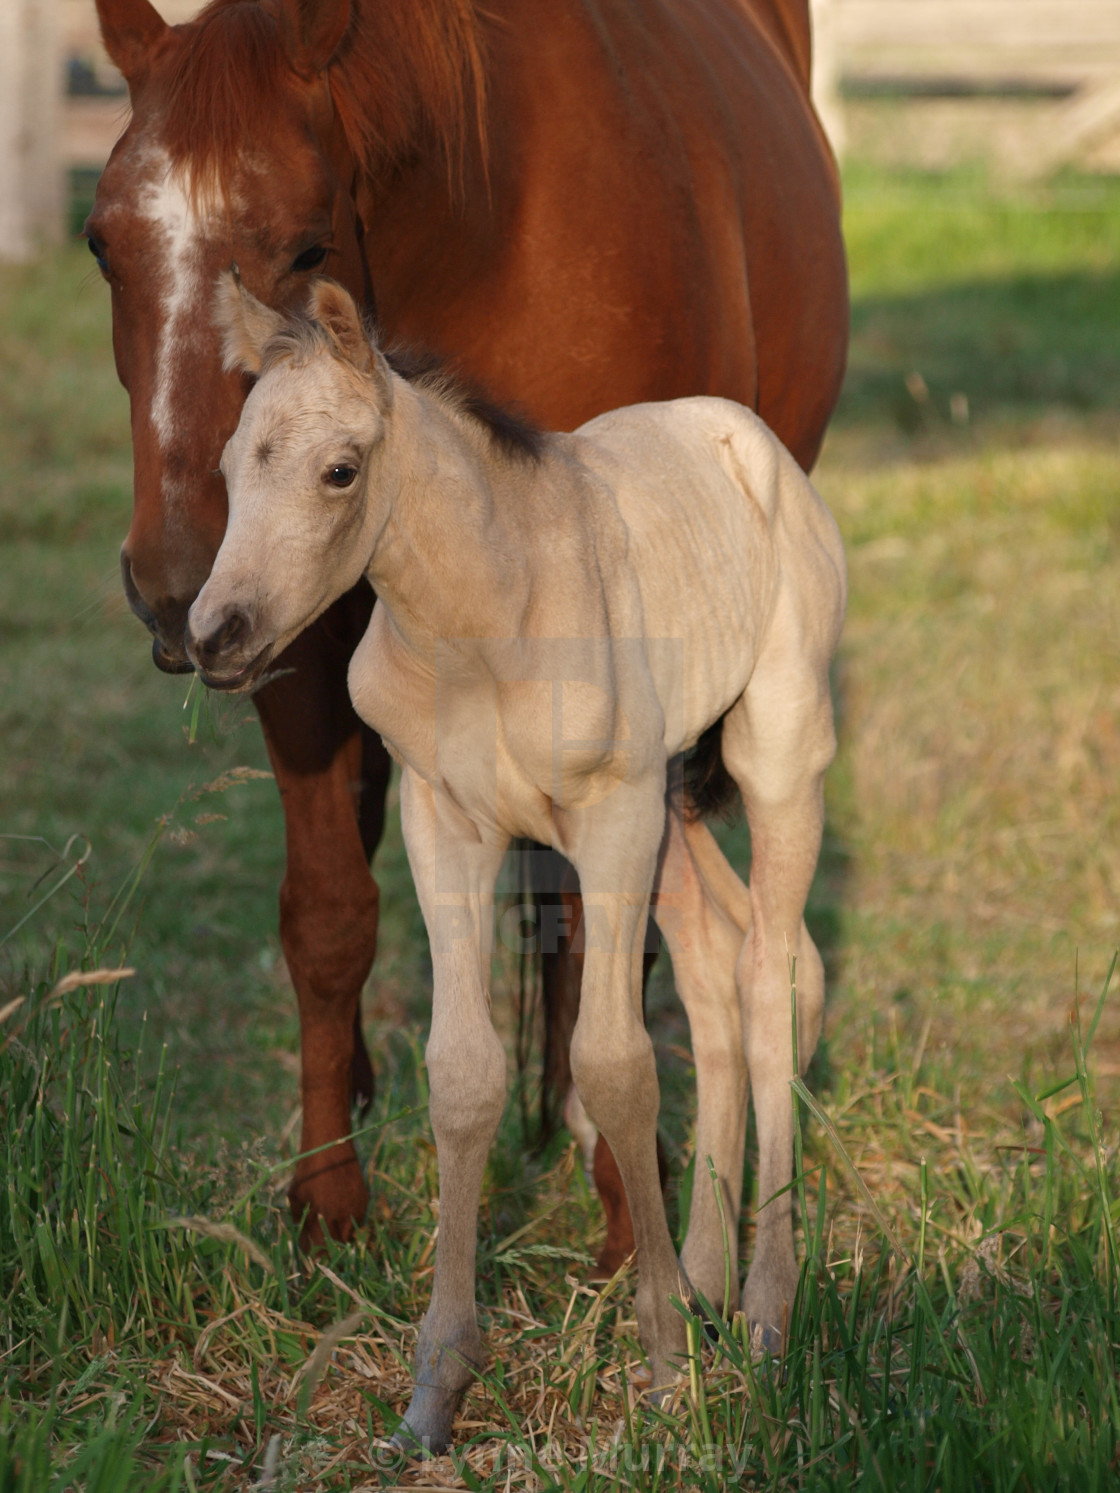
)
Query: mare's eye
[
  {"x": 97, "y": 249},
  {"x": 341, "y": 476},
  {"x": 310, "y": 259}
]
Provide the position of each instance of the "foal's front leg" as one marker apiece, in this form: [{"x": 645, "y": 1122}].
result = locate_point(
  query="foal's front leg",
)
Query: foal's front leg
[
  {"x": 614, "y": 847},
  {"x": 455, "y": 871}
]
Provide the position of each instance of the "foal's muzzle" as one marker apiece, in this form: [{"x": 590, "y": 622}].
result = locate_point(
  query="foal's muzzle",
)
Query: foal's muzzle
[{"x": 219, "y": 655}]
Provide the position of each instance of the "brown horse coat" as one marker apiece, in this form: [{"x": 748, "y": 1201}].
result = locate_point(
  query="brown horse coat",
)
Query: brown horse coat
[{"x": 584, "y": 203}]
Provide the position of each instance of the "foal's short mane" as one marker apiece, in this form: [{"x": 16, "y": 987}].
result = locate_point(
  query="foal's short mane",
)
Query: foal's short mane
[
  {"x": 509, "y": 432},
  {"x": 405, "y": 70}
]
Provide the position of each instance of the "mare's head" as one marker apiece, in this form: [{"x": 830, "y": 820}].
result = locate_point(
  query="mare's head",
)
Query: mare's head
[
  {"x": 304, "y": 471},
  {"x": 232, "y": 153},
  {"x": 257, "y": 132}
]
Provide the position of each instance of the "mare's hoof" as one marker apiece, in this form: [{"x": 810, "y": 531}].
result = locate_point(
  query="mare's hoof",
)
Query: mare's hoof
[
  {"x": 332, "y": 1203},
  {"x": 609, "y": 1263}
]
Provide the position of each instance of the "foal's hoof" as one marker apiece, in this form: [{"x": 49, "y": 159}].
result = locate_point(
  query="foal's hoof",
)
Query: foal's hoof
[
  {"x": 425, "y": 1430},
  {"x": 766, "y": 1343},
  {"x": 659, "y": 1392}
]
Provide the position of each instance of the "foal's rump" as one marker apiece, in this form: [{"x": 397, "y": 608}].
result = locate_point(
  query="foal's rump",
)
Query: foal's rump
[{"x": 721, "y": 520}]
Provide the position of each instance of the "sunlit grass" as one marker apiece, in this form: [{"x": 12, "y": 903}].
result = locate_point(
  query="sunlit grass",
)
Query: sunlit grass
[{"x": 958, "y": 1313}]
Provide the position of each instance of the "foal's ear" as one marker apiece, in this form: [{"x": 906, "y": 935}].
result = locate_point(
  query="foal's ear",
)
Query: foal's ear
[
  {"x": 130, "y": 29},
  {"x": 311, "y": 32},
  {"x": 334, "y": 308},
  {"x": 246, "y": 324}
]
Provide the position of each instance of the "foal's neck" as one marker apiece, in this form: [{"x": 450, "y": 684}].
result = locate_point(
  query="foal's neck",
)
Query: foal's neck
[{"x": 445, "y": 564}]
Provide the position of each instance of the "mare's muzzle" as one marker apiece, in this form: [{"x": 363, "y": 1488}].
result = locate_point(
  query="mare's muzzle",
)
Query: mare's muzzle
[{"x": 166, "y": 624}]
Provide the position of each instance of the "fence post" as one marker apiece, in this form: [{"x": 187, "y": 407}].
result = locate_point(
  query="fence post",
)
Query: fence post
[
  {"x": 31, "y": 179},
  {"x": 826, "y": 72}
]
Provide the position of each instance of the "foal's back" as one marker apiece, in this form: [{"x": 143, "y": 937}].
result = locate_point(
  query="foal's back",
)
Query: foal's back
[{"x": 719, "y": 518}]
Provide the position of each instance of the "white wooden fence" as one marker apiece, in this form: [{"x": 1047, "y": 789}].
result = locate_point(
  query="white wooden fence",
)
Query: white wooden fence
[
  {"x": 31, "y": 197},
  {"x": 1070, "y": 45}
]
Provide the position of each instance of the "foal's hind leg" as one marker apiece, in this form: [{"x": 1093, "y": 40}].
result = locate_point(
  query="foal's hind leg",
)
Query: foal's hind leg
[
  {"x": 704, "y": 911},
  {"x": 777, "y": 742}
]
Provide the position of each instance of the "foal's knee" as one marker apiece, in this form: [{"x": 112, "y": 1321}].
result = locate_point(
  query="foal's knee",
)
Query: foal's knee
[
  {"x": 467, "y": 1083},
  {"x": 615, "y": 1074}
]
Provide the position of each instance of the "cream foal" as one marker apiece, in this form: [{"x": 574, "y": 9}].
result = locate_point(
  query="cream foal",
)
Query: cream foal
[{"x": 553, "y": 628}]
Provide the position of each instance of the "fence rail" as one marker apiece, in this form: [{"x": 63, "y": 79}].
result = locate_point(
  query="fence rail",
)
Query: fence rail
[{"x": 1052, "y": 41}]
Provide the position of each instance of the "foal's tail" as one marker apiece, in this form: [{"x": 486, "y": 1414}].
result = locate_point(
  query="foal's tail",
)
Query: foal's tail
[{"x": 709, "y": 789}]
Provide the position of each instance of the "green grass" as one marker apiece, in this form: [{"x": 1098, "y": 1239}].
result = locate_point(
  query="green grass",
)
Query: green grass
[{"x": 958, "y": 1316}]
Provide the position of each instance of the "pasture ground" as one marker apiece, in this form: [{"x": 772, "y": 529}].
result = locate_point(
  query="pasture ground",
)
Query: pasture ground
[{"x": 959, "y": 1317}]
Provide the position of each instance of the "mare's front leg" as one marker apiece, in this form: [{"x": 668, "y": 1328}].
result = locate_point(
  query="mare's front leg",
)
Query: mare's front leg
[
  {"x": 332, "y": 776},
  {"x": 455, "y": 867},
  {"x": 614, "y": 847}
]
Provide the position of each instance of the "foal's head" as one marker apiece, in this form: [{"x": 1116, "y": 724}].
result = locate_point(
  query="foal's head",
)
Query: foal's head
[
  {"x": 304, "y": 469},
  {"x": 257, "y": 133}
]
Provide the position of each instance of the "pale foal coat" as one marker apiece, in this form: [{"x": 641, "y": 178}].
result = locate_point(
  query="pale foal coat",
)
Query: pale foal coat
[{"x": 549, "y": 636}]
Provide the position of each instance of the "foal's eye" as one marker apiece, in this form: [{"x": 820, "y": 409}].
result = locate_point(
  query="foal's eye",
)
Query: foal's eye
[
  {"x": 97, "y": 249},
  {"x": 341, "y": 476},
  {"x": 310, "y": 259}
]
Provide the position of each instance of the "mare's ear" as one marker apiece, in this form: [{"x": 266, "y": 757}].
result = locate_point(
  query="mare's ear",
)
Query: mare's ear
[
  {"x": 246, "y": 324},
  {"x": 130, "y": 29},
  {"x": 333, "y": 307},
  {"x": 311, "y": 31}
]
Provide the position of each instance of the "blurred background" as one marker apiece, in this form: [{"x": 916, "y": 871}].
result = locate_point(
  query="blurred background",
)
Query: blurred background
[{"x": 972, "y": 868}]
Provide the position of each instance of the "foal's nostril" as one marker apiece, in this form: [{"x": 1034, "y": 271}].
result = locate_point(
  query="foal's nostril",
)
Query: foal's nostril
[
  {"x": 233, "y": 630},
  {"x": 210, "y": 649}
]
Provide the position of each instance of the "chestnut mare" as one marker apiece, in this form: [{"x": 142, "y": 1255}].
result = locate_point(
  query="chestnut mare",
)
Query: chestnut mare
[{"x": 579, "y": 203}]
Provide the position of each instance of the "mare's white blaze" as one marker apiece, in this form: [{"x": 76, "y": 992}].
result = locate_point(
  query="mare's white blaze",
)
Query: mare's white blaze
[{"x": 167, "y": 204}]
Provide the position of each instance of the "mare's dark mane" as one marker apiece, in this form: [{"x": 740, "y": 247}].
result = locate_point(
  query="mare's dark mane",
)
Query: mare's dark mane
[{"x": 406, "y": 70}]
